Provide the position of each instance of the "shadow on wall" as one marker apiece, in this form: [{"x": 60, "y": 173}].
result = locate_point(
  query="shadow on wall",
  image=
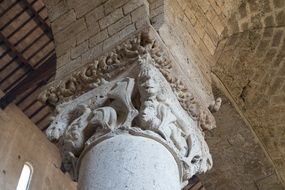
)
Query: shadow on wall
[{"x": 239, "y": 160}]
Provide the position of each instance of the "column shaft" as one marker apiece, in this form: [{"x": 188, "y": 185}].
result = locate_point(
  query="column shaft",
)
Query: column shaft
[{"x": 127, "y": 162}]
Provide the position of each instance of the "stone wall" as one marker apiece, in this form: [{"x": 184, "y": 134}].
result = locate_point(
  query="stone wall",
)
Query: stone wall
[
  {"x": 242, "y": 43},
  {"x": 252, "y": 68},
  {"x": 21, "y": 141},
  {"x": 85, "y": 29},
  {"x": 192, "y": 31},
  {"x": 239, "y": 160}
]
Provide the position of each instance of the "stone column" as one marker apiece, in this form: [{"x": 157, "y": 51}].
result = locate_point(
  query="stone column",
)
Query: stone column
[
  {"x": 125, "y": 121},
  {"x": 128, "y": 162}
]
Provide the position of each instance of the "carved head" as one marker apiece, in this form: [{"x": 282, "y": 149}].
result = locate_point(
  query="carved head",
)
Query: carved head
[
  {"x": 55, "y": 130},
  {"x": 149, "y": 83}
]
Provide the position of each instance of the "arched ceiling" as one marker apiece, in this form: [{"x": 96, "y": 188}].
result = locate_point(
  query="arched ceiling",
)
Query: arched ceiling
[{"x": 251, "y": 65}]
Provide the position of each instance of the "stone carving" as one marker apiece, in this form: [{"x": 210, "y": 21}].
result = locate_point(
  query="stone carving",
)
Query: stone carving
[
  {"x": 215, "y": 106},
  {"x": 109, "y": 66},
  {"x": 139, "y": 101}
]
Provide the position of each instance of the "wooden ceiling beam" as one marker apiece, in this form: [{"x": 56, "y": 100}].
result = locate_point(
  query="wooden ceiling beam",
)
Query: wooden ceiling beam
[
  {"x": 15, "y": 54},
  {"x": 37, "y": 77},
  {"x": 37, "y": 18},
  {"x": 6, "y": 10},
  {"x": 24, "y": 75}
]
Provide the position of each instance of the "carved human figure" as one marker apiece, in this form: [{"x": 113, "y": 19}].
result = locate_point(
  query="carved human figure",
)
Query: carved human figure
[
  {"x": 155, "y": 113},
  {"x": 161, "y": 112},
  {"x": 109, "y": 109}
]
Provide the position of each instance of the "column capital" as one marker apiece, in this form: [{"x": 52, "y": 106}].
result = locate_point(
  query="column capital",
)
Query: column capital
[{"x": 133, "y": 89}]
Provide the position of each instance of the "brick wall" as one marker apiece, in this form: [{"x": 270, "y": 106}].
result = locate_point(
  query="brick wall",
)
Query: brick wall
[
  {"x": 252, "y": 66},
  {"x": 256, "y": 14},
  {"x": 243, "y": 43},
  {"x": 85, "y": 29},
  {"x": 239, "y": 160},
  {"x": 192, "y": 31}
]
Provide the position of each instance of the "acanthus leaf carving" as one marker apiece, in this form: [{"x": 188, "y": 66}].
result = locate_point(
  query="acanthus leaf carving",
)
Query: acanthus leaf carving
[{"x": 130, "y": 90}]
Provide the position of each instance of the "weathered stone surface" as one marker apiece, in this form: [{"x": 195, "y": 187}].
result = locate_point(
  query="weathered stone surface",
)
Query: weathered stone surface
[
  {"x": 79, "y": 50},
  {"x": 132, "y": 163},
  {"x": 100, "y": 37},
  {"x": 70, "y": 31},
  {"x": 240, "y": 161},
  {"x": 63, "y": 21},
  {"x": 252, "y": 70},
  {"x": 119, "y": 25},
  {"x": 111, "y": 18}
]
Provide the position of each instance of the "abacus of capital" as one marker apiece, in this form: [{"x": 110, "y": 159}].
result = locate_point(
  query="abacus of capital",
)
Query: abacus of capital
[{"x": 124, "y": 121}]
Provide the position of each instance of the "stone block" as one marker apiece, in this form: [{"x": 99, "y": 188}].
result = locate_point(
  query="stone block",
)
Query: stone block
[
  {"x": 191, "y": 30},
  {"x": 242, "y": 10},
  {"x": 132, "y": 5},
  {"x": 277, "y": 38},
  {"x": 82, "y": 36},
  {"x": 84, "y": 6},
  {"x": 140, "y": 13},
  {"x": 218, "y": 25},
  {"x": 79, "y": 49},
  {"x": 62, "y": 60},
  {"x": 65, "y": 47},
  {"x": 63, "y": 21},
  {"x": 111, "y": 18},
  {"x": 157, "y": 11},
  {"x": 156, "y": 21},
  {"x": 92, "y": 53},
  {"x": 143, "y": 23},
  {"x": 212, "y": 32},
  {"x": 56, "y": 11},
  {"x": 278, "y": 3},
  {"x": 253, "y": 6},
  {"x": 93, "y": 29},
  {"x": 277, "y": 100},
  {"x": 209, "y": 44},
  {"x": 210, "y": 14},
  {"x": 112, "y": 5},
  {"x": 280, "y": 18},
  {"x": 119, "y": 25},
  {"x": 199, "y": 29},
  {"x": 204, "y": 5},
  {"x": 98, "y": 38},
  {"x": 190, "y": 15},
  {"x": 155, "y": 3},
  {"x": 94, "y": 15},
  {"x": 183, "y": 4},
  {"x": 276, "y": 85},
  {"x": 67, "y": 69},
  {"x": 269, "y": 182},
  {"x": 215, "y": 7},
  {"x": 70, "y": 31},
  {"x": 282, "y": 69},
  {"x": 110, "y": 42}
]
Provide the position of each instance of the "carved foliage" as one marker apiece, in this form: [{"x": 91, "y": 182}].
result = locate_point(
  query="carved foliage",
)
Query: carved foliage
[
  {"x": 117, "y": 61},
  {"x": 110, "y": 109}
]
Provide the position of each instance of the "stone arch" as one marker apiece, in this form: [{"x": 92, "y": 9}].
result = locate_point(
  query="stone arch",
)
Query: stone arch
[{"x": 251, "y": 65}]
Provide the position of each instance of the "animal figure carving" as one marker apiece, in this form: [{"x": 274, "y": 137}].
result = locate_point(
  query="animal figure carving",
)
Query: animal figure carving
[{"x": 118, "y": 92}]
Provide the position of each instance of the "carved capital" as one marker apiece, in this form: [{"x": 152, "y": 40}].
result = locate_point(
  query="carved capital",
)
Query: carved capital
[{"x": 130, "y": 90}]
